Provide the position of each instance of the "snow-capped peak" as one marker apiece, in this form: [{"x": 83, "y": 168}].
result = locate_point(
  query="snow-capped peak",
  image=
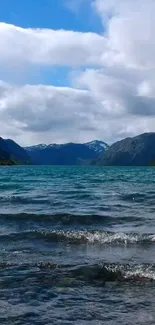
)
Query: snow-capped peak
[
  {"x": 98, "y": 146},
  {"x": 95, "y": 145},
  {"x": 38, "y": 146}
]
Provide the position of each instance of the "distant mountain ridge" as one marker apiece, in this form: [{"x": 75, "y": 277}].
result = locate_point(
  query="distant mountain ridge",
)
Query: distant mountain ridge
[
  {"x": 66, "y": 154},
  {"x": 96, "y": 145},
  {"x": 136, "y": 151}
]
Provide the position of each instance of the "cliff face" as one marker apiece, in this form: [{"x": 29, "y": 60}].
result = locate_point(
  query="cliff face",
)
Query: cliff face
[{"x": 136, "y": 151}]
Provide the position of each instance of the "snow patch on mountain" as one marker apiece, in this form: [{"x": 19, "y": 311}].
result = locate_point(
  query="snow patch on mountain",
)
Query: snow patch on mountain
[{"x": 95, "y": 145}]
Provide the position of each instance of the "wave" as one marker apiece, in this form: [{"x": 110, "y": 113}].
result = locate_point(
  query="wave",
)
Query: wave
[
  {"x": 146, "y": 197},
  {"x": 93, "y": 237},
  {"x": 114, "y": 272},
  {"x": 70, "y": 218},
  {"x": 96, "y": 274},
  {"x": 83, "y": 237},
  {"x": 15, "y": 199},
  {"x": 138, "y": 197}
]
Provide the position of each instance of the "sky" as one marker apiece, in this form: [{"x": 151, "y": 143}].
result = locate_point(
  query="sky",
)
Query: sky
[{"x": 76, "y": 70}]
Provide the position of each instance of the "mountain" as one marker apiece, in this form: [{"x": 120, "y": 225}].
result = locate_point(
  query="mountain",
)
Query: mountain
[
  {"x": 136, "y": 151},
  {"x": 66, "y": 154},
  {"x": 11, "y": 153},
  {"x": 4, "y": 154},
  {"x": 98, "y": 146},
  {"x": 17, "y": 153}
]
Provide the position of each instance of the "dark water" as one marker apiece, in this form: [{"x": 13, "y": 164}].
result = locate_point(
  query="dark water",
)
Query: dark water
[{"x": 77, "y": 245}]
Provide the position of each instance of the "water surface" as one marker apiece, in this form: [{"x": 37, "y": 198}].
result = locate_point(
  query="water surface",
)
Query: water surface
[{"x": 77, "y": 245}]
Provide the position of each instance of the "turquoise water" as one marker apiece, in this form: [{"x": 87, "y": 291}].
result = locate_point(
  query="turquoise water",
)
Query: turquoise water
[{"x": 77, "y": 245}]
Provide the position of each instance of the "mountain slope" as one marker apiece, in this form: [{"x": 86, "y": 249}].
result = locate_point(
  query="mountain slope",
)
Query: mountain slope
[
  {"x": 4, "y": 152},
  {"x": 136, "y": 151},
  {"x": 11, "y": 153},
  {"x": 5, "y": 156},
  {"x": 17, "y": 153},
  {"x": 65, "y": 154}
]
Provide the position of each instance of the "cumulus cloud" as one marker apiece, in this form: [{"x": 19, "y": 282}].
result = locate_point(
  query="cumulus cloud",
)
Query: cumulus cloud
[
  {"x": 130, "y": 30},
  {"x": 120, "y": 91},
  {"x": 32, "y": 114},
  {"x": 71, "y": 113},
  {"x": 49, "y": 47},
  {"x": 126, "y": 83}
]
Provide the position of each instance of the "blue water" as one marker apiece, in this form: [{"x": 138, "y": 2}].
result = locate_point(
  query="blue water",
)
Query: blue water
[{"x": 77, "y": 245}]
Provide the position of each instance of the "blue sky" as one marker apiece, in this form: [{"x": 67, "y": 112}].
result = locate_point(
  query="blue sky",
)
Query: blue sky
[
  {"x": 55, "y": 14},
  {"x": 51, "y": 14}
]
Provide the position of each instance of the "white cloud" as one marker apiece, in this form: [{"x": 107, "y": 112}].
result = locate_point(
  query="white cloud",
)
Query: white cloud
[
  {"x": 126, "y": 83},
  {"x": 130, "y": 30},
  {"x": 120, "y": 91},
  {"x": 49, "y": 113},
  {"x": 19, "y": 46},
  {"x": 33, "y": 114}
]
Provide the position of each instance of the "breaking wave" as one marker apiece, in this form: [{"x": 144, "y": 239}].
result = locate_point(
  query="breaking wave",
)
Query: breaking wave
[
  {"x": 97, "y": 274},
  {"x": 82, "y": 237}
]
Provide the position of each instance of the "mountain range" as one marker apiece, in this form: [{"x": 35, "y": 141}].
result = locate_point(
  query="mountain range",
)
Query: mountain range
[
  {"x": 54, "y": 154},
  {"x": 136, "y": 151},
  {"x": 66, "y": 154}
]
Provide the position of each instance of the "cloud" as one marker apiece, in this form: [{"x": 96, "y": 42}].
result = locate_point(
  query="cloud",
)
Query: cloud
[
  {"x": 19, "y": 46},
  {"x": 130, "y": 30},
  {"x": 126, "y": 83},
  {"x": 62, "y": 113},
  {"x": 33, "y": 114},
  {"x": 120, "y": 91},
  {"x": 113, "y": 100}
]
